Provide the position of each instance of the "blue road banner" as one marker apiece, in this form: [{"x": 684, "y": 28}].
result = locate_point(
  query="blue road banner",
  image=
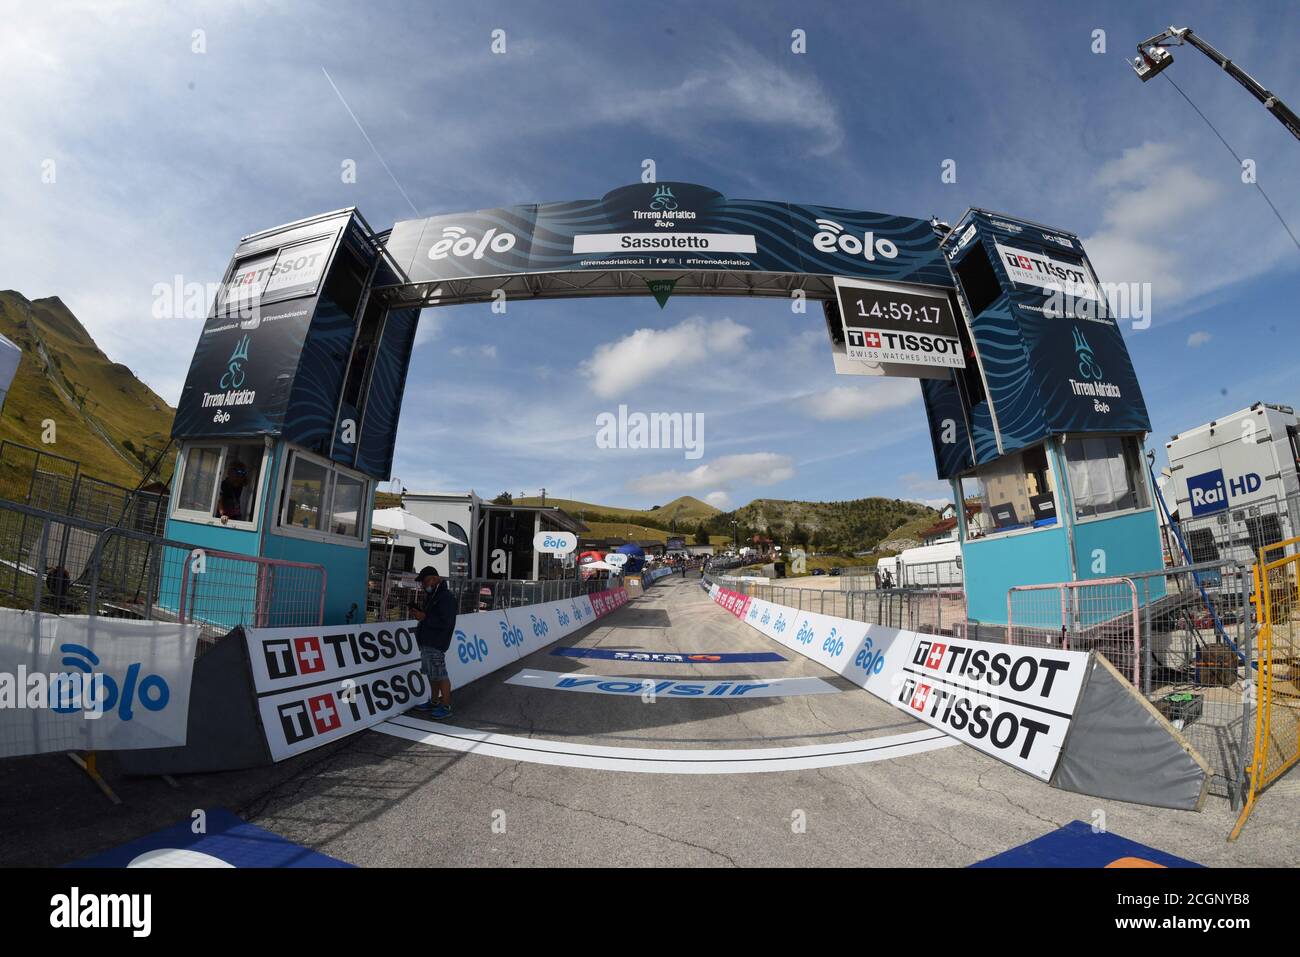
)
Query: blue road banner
[
  {"x": 1076, "y": 845},
  {"x": 226, "y": 841},
  {"x": 667, "y": 657}
]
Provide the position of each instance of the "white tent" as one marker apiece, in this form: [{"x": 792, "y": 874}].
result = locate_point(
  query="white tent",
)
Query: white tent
[{"x": 401, "y": 522}]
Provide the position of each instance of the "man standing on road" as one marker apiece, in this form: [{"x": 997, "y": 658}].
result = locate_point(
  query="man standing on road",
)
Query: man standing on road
[{"x": 437, "y": 623}]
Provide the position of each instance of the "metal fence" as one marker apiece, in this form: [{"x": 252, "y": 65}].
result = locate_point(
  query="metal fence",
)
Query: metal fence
[
  {"x": 1100, "y": 614},
  {"x": 1276, "y": 688},
  {"x": 67, "y": 565},
  {"x": 909, "y": 575},
  {"x": 1183, "y": 636},
  {"x": 56, "y": 484},
  {"x": 1239, "y": 533},
  {"x": 933, "y": 609},
  {"x": 390, "y": 598}
]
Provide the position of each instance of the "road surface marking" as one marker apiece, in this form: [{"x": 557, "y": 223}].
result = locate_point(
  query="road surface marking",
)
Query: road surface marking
[{"x": 666, "y": 760}]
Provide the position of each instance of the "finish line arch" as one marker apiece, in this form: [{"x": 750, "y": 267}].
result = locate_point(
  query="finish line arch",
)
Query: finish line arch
[{"x": 299, "y": 371}]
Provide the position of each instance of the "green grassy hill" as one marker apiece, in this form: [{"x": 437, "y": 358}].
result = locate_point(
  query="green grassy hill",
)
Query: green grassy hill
[
  {"x": 855, "y": 525},
  {"x": 103, "y": 416},
  {"x": 687, "y": 512}
]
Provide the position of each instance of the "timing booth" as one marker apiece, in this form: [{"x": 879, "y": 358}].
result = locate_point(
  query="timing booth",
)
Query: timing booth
[{"x": 289, "y": 413}]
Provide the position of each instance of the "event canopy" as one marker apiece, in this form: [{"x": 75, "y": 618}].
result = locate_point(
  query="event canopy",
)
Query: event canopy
[{"x": 401, "y": 522}]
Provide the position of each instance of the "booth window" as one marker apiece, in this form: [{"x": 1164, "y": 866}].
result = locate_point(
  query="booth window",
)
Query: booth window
[
  {"x": 1016, "y": 491},
  {"x": 320, "y": 498},
  {"x": 1105, "y": 475},
  {"x": 221, "y": 481}
]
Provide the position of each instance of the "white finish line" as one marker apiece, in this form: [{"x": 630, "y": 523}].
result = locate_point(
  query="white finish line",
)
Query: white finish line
[{"x": 666, "y": 760}]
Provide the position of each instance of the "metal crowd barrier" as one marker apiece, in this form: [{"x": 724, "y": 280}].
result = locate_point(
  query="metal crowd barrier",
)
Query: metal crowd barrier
[
  {"x": 390, "y": 599},
  {"x": 66, "y": 565}
]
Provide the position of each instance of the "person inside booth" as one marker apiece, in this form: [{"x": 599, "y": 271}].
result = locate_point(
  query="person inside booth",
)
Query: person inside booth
[{"x": 230, "y": 499}]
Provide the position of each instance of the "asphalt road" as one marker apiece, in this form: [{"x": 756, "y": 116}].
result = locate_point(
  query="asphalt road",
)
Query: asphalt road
[{"x": 389, "y": 798}]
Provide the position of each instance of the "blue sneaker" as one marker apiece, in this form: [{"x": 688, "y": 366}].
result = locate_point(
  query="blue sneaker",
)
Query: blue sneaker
[
  {"x": 424, "y": 707},
  {"x": 441, "y": 712}
]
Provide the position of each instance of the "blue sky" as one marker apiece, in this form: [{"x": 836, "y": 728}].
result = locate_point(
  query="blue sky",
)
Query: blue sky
[{"x": 165, "y": 156}]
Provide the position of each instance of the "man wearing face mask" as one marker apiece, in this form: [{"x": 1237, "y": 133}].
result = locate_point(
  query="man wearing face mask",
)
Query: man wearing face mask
[{"x": 437, "y": 623}]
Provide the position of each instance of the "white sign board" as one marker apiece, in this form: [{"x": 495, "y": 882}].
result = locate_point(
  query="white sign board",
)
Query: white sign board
[
  {"x": 92, "y": 684},
  {"x": 320, "y": 683},
  {"x": 1028, "y": 268},
  {"x": 555, "y": 543},
  {"x": 1011, "y": 702}
]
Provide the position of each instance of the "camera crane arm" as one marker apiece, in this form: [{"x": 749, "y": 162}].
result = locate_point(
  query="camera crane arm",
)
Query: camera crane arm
[{"x": 1154, "y": 56}]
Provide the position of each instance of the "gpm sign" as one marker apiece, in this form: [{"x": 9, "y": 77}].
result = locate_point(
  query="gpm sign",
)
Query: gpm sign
[{"x": 1209, "y": 493}]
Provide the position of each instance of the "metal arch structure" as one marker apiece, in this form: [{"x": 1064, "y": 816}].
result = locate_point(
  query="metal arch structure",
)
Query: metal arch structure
[
  {"x": 303, "y": 359},
  {"x": 590, "y": 285}
]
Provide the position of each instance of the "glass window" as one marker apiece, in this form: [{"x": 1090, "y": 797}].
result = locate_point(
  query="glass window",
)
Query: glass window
[
  {"x": 308, "y": 483},
  {"x": 1105, "y": 475},
  {"x": 199, "y": 478},
  {"x": 1016, "y": 491},
  {"x": 345, "y": 513},
  {"x": 237, "y": 493}
]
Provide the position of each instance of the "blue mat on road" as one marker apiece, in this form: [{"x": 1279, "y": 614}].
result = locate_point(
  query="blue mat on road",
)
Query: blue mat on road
[
  {"x": 1075, "y": 845},
  {"x": 228, "y": 839}
]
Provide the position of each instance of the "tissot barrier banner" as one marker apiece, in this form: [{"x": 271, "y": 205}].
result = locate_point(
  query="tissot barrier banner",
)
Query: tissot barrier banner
[
  {"x": 92, "y": 684},
  {"x": 320, "y": 683}
]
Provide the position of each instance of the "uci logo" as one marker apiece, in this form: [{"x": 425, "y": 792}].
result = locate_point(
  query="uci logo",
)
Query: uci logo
[
  {"x": 470, "y": 649},
  {"x": 832, "y": 236},
  {"x": 456, "y": 241}
]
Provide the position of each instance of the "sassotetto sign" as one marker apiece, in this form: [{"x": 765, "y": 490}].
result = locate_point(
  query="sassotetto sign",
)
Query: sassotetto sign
[{"x": 668, "y": 226}]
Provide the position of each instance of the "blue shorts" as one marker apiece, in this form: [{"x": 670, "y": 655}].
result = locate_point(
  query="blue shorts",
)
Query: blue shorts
[{"x": 434, "y": 663}]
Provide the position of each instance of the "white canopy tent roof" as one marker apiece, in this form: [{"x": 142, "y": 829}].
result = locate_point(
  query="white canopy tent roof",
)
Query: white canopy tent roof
[{"x": 399, "y": 521}]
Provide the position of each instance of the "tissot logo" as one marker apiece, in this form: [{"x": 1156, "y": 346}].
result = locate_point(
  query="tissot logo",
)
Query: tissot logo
[
  {"x": 312, "y": 654},
  {"x": 457, "y": 241}
]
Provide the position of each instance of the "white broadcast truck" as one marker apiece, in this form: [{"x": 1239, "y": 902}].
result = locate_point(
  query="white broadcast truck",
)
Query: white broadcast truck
[{"x": 1235, "y": 482}]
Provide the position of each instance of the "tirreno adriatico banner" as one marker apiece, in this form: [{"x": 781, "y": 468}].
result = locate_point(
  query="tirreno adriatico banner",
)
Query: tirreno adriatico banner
[{"x": 653, "y": 226}]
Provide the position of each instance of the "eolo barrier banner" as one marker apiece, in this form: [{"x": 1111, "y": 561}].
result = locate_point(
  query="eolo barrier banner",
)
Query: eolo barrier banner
[
  {"x": 320, "y": 683},
  {"x": 1066, "y": 717},
  {"x": 71, "y": 683}
]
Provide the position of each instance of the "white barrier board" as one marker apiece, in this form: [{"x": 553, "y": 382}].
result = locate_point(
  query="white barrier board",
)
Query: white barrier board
[{"x": 137, "y": 695}]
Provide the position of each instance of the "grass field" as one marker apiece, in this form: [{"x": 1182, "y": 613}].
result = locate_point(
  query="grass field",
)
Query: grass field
[{"x": 71, "y": 400}]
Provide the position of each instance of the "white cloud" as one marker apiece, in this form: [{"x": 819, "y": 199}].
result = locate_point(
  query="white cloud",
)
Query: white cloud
[
  {"x": 754, "y": 468},
  {"x": 1198, "y": 338},
  {"x": 860, "y": 401},
  {"x": 478, "y": 352},
  {"x": 719, "y": 499},
  {"x": 617, "y": 367}
]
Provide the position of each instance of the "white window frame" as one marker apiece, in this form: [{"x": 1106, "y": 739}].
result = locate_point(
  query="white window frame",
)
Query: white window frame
[
  {"x": 207, "y": 518},
  {"x": 1141, "y": 478},
  {"x": 332, "y": 469}
]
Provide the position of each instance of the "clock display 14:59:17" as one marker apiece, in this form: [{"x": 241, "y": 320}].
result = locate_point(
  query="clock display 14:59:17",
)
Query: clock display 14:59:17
[{"x": 898, "y": 311}]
